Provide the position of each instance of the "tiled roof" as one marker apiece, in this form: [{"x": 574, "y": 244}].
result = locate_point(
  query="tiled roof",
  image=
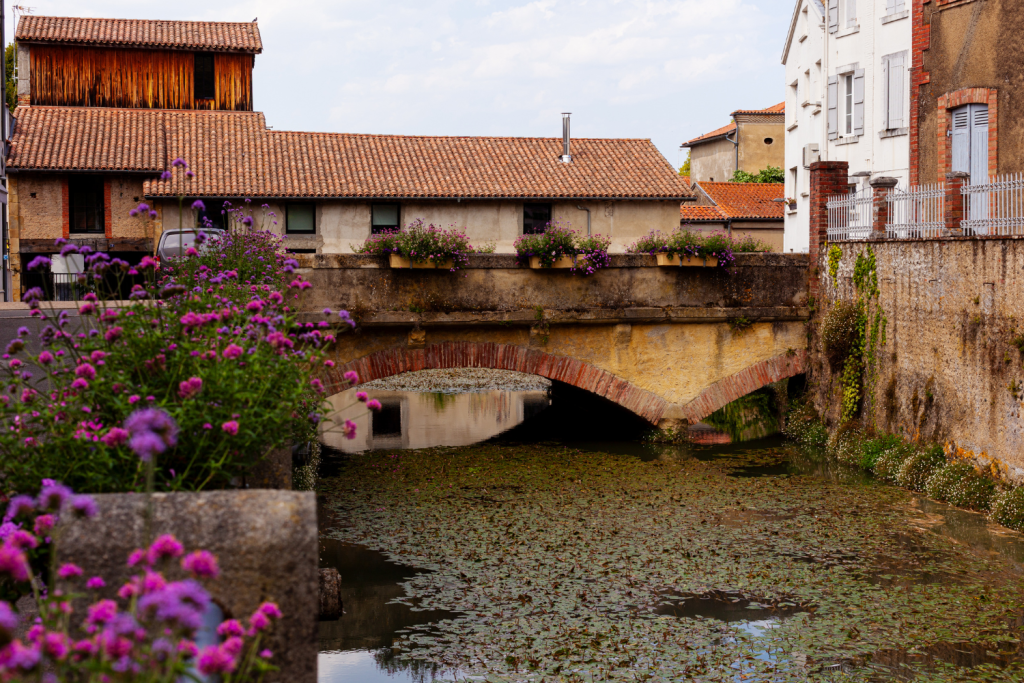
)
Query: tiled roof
[
  {"x": 234, "y": 154},
  {"x": 690, "y": 213},
  {"x": 747, "y": 200},
  {"x": 216, "y": 36},
  {"x": 718, "y": 132}
]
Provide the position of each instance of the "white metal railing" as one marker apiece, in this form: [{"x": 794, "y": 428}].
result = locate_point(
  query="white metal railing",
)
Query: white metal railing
[
  {"x": 917, "y": 212},
  {"x": 849, "y": 216},
  {"x": 995, "y": 207}
]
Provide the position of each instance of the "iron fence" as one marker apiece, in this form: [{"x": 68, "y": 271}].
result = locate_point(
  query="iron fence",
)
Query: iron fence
[
  {"x": 995, "y": 207},
  {"x": 917, "y": 212},
  {"x": 849, "y": 216}
]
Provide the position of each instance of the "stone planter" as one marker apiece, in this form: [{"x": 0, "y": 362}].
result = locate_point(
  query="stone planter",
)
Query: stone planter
[
  {"x": 560, "y": 262},
  {"x": 396, "y": 261},
  {"x": 266, "y": 543},
  {"x": 677, "y": 260}
]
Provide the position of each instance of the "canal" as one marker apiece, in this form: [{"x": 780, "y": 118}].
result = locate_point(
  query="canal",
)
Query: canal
[{"x": 503, "y": 529}]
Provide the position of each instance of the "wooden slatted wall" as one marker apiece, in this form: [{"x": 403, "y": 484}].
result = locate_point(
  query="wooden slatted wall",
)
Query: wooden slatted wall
[{"x": 140, "y": 79}]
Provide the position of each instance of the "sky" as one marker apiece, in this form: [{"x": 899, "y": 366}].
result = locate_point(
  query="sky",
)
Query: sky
[{"x": 668, "y": 70}]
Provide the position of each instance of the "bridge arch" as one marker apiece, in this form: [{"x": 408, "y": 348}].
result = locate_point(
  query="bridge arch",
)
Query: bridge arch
[{"x": 499, "y": 356}]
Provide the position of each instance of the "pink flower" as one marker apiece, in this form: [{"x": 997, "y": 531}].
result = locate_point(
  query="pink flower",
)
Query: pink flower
[
  {"x": 233, "y": 646},
  {"x": 231, "y": 627},
  {"x": 80, "y": 383},
  {"x": 271, "y": 610},
  {"x": 136, "y": 557},
  {"x": 187, "y": 648},
  {"x": 13, "y": 562},
  {"x": 254, "y": 306},
  {"x": 231, "y": 427},
  {"x": 133, "y": 399},
  {"x": 113, "y": 333},
  {"x": 45, "y": 357},
  {"x": 85, "y": 370},
  {"x": 201, "y": 564},
  {"x": 317, "y": 384},
  {"x": 258, "y": 622},
  {"x": 349, "y": 429},
  {"x": 361, "y": 396},
  {"x": 233, "y": 351},
  {"x": 43, "y": 524},
  {"x": 164, "y": 547},
  {"x": 69, "y": 571},
  {"x": 56, "y": 645},
  {"x": 115, "y": 437},
  {"x": 266, "y": 654},
  {"x": 352, "y": 377},
  {"x": 190, "y": 387},
  {"x": 95, "y": 582},
  {"x": 214, "y": 660},
  {"x": 101, "y": 612},
  {"x": 148, "y": 262},
  {"x": 87, "y": 308},
  {"x": 373, "y": 404}
]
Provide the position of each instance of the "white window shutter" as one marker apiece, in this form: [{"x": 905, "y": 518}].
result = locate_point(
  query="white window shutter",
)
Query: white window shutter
[
  {"x": 833, "y": 16},
  {"x": 897, "y": 70},
  {"x": 961, "y": 139},
  {"x": 886, "y": 65},
  {"x": 979, "y": 144},
  {"x": 899, "y": 6},
  {"x": 858, "y": 102},
  {"x": 851, "y": 13},
  {"x": 833, "y": 107},
  {"x": 890, "y": 6}
]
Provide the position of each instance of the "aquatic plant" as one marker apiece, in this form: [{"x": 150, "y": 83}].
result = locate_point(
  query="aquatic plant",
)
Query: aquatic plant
[
  {"x": 960, "y": 484},
  {"x": 916, "y": 470},
  {"x": 1008, "y": 508},
  {"x": 147, "y": 633}
]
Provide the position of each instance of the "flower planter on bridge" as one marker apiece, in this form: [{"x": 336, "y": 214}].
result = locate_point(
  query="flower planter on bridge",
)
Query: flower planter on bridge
[
  {"x": 560, "y": 262},
  {"x": 677, "y": 260},
  {"x": 397, "y": 261}
]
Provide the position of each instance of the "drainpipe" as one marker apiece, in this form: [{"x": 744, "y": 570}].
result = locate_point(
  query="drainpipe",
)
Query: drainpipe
[
  {"x": 583, "y": 208},
  {"x": 736, "y": 146}
]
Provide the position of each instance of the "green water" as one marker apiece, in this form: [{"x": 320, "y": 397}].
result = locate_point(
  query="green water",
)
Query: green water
[{"x": 632, "y": 562}]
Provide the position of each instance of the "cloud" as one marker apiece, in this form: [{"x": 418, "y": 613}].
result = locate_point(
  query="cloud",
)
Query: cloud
[{"x": 664, "y": 69}]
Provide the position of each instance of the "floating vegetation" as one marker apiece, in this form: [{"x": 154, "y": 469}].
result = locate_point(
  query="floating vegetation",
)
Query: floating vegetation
[{"x": 584, "y": 566}]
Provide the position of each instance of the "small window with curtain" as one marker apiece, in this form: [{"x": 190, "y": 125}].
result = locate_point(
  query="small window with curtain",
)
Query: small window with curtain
[
  {"x": 536, "y": 218},
  {"x": 384, "y": 217},
  {"x": 85, "y": 195},
  {"x": 300, "y": 219},
  {"x": 204, "y": 83}
]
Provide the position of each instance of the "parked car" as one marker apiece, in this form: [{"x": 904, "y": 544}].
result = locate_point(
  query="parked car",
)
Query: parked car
[{"x": 175, "y": 242}]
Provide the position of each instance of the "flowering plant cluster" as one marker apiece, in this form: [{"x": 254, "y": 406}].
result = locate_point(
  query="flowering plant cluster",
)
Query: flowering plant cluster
[
  {"x": 211, "y": 339},
  {"x": 147, "y": 633},
  {"x": 589, "y": 252},
  {"x": 421, "y": 243},
  {"x": 686, "y": 242}
]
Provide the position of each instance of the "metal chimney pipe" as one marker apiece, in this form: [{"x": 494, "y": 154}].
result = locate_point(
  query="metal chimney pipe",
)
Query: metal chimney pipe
[{"x": 566, "y": 156}]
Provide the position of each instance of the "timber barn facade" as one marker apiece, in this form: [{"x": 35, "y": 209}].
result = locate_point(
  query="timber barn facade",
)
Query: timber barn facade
[{"x": 105, "y": 106}]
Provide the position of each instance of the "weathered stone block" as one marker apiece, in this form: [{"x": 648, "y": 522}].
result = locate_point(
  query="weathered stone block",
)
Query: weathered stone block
[{"x": 266, "y": 542}]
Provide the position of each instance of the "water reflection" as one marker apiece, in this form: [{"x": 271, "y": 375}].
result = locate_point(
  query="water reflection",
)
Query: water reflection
[{"x": 424, "y": 420}]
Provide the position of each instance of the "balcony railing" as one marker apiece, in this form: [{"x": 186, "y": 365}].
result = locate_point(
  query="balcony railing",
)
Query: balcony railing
[{"x": 917, "y": 212}]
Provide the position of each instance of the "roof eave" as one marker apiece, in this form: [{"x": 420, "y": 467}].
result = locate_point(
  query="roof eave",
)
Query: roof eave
[
  {"x": 519, "y": 198},
  {"x": 123, "y": 46}
]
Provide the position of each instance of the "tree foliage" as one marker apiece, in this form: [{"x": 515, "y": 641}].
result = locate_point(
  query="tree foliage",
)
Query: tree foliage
[{"x": 772, "y": 174}]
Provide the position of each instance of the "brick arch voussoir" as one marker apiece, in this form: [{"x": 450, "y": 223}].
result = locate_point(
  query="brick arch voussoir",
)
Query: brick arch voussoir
[
  {"x": 399, "y": 359},
  {"x": 725, "y": 391}
]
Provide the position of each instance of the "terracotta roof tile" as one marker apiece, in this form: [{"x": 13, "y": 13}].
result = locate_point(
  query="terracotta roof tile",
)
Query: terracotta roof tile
[
  {"x": 217, "y": 36},
  {"x": 718, "y": 132},
  {"x": 234, "y": 155},
  {"x": 747, "y": 200},
  {"x": 691, "y": 213}
]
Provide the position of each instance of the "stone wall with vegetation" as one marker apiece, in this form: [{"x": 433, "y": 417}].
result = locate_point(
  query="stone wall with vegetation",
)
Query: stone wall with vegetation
[{"x": 924, "y": 339}]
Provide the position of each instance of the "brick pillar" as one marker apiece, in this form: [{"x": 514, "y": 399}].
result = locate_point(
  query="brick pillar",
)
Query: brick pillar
[
  {"x": 955, "y": 202},
  {"x": 828, "y": 178},
  {"x": 880, "y": 188}
]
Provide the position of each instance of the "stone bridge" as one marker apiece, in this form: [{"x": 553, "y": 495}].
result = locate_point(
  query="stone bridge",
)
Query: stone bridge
[{"x": 669, "y": 344}]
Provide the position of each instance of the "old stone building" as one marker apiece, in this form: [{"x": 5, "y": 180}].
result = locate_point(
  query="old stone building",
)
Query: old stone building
[
  {"x": 107, "y": 105},
  {"x": 966, "y": 70},
  {"x": 753, "y": 141}
]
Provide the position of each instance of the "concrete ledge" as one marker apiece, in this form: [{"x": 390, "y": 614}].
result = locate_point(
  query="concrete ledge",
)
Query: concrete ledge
[
  {"x": 509, "y": 261},
  {"x": 265, "y": 541}
]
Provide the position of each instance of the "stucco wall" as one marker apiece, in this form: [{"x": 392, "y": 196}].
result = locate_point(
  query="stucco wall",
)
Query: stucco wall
[
  {"x": 974, "y": 45},
  {"x": 712, "y": 161},
  {"x": 39, "y": 216},
  {"x": 125, "y": 195},
  {"x": 755, "y": 154},
  {"x": 948, "y": 366}
]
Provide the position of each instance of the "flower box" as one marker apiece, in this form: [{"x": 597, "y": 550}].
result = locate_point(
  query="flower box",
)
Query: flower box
[
  {"x": 560, "y": 262},
  {"x": 397, "y": 261},
  {"x": 677, "y": 260}
]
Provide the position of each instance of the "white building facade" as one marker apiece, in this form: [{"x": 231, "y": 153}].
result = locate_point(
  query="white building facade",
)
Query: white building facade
[{"x": 847, "y": 97}]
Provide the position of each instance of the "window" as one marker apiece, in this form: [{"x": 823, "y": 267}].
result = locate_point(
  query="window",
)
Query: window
[
  {"x": 212, "y": 215},
  {"x": 536, "y": 218},
  {"x": 794, "y": 182},
  {"x": 851, "y": 13},
  {"x": 383, "y": 217},
  {"x": 846, "y": 105},
  {"x": 894, "y": 6},
  {"x": 300, "y": 219},
  {"x": 204, "y": 83},
  {"x": 893, "y": 70},
  {"x": 85, "y": 195},
  {"x": 970, "y": 141},
  {"x": 388, "y": 420},
  {"x": 840, "y": 10}
]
